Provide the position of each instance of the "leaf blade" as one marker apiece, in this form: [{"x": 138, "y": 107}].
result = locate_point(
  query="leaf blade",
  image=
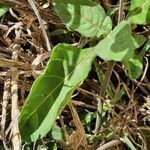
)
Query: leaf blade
[
  {"x": 134, "y": 67},
  {"x": 140, "y": 12},
  {"x": 118, "y": 45},
  {"x": 53, "y": 91},
  {"x": 84, "y": 16},
  {"x": 3, "y": 9}
]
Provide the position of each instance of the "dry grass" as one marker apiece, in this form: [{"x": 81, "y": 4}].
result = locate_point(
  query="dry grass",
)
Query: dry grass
[{"x": 23, "y": 55}]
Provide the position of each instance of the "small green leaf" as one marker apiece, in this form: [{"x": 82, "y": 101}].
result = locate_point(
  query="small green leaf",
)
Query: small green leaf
[
  {"x": 118, "y": 95},
  {"x": 3, "y": 9},
  {"x": 145, "y": 49},
  {"x": 56, "y": 134},
  {"x": 67, "y": 68},
  {"x": 109, "y": 133},
  {"x": 138, "y": 40},
  {"x": 118, "y": 45},
  {"x": 134, "y": 67},
  {"x": 147, "y": 46},
  {"x": 127, "y": 141},
  {"x": 84, "y": 16},
  {"x": 86, "y": 119},
  {"x": 105, "y": 27},
  {"x": 140, "y": 11},
  {"x": 93, "y": 138}
]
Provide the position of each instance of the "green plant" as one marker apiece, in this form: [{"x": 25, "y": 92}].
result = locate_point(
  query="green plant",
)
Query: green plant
[{"x": 69, "y": 65}]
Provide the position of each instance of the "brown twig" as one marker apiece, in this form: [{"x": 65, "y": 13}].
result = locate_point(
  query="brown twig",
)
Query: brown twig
[
  {"x": 16, "y": 138},
  {"x": 6, "y": 63},
  {"x": 82, "y": 104},
  {"x": 79, "y": 127},
  {"x": 109, "y": 145},
  {"x": 12, "y": 1}
]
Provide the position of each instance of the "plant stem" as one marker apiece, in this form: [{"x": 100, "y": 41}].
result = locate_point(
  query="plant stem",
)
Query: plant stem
[
  {"x": 16, "y": 138},
  {"x": 120, "y": 15},
  {"x": 108, "y": 74},
  {"x": 103, "y": 91}
]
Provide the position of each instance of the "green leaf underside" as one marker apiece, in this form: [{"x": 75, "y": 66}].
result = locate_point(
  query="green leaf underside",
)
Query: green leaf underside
[
  {"x": 67, "y": 68},
  {"x": 118, "y": 45},
  {"x": 140, "y": 11},
  {"x": 84, "y": 16}
]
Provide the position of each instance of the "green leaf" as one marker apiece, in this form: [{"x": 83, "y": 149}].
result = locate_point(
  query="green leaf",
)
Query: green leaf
[
  {"x": 67, "y": 68},
  {"x": 127, "y": 141},
  {"x": 87, "y": 117},
  {"x": 118, "y": 95},
  {"x": 139, "y": 40},
  {"x": 105, "y": 27},
  {"x": 118, "y": 45},
  {"x": 3, "y": 9},
  {"x": 147, "y": 46},
  {"x": 93, "y": 138},
  {"x": 140, "y": 11},
  {"x": 56, "y": 134},
  {"x": 134, "y": 67},
  {"x": 145, "y": 49},
  {"x": 84, "y": 16}
]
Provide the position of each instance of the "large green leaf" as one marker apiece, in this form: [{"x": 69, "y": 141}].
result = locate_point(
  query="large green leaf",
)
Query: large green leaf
[
  {"x": 84, "y": 16},
  {"x": 67, "y": 68},
  {"x": 140, "y": 11},
  {"x": 118, "y": 45}
]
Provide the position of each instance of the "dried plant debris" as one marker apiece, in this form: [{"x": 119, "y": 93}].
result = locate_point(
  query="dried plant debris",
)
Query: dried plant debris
[
  {"x": 74, "y": 75},
  {"x": 145, "y": 111}
]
